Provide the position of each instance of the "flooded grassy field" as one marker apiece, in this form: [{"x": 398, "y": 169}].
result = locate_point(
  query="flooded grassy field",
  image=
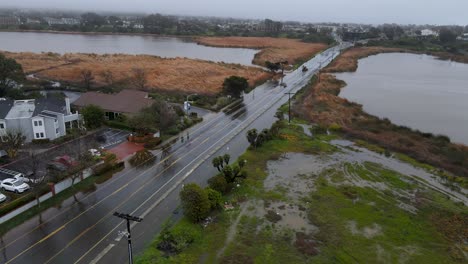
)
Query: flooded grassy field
[{"x": 322, "y": 199}]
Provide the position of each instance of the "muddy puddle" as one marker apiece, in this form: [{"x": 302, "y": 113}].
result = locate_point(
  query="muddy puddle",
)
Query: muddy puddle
[
  {"x": 280, "y": 214},
  {"x": 294, "y": 174}
]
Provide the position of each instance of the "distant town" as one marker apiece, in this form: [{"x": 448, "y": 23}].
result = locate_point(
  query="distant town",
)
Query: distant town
[{"x": 38, "y": 20}]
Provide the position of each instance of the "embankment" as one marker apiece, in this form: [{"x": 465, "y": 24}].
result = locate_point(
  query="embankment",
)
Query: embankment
[{"x": 321, "y": 104}]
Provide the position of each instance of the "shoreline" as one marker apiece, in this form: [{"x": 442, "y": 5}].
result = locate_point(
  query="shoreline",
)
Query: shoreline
[
  {"x": 323, "y": 105},
  {"x": 99, "y": 33}
]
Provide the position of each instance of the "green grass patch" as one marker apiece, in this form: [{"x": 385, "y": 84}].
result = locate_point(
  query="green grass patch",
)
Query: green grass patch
[{"x": 383, "y": 232}]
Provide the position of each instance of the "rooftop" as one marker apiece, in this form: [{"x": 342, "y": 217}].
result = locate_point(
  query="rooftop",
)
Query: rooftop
[
  {"x": 16, "y": 109},
  {"x": 126, "y": 101},
  {"x": 21, "y": 109}
]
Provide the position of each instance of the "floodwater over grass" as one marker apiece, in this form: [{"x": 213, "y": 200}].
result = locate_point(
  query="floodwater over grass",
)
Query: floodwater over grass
[
  {"x": 417, "y": 91},
  {"x": 323, "y": 199}
]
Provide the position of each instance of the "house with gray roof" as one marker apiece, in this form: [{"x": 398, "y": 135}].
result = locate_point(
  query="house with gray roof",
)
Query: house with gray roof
[{"x": 44, "y": 118}]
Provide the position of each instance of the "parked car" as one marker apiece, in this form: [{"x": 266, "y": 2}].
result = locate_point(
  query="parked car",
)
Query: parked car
[
  {"x": 56, "y": 166},
  {"x": 14, "y": 185},
  {"x": 95, "y": 152},
  {"x": 2, "y": 197}
]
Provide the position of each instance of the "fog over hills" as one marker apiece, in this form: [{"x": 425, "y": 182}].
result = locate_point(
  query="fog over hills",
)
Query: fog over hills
[{"x": 359, "y": 11}]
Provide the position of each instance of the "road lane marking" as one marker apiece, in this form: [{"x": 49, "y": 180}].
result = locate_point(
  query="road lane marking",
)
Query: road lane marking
[
  {"x": 276, "y": 99},
  {"x": 51, "y": 234},
  {"x": 103, "y": 253},
  {"x": 230, "y": 135}
]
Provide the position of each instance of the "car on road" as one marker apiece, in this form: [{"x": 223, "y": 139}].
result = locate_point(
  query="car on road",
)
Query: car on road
[
  {"x": 14, "y": 185},
  {"x": 2, "y": 197}
]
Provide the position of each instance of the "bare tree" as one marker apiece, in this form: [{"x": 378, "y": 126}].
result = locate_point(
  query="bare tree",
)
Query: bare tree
[
  {"x": 108, "y": 77},
  {"x": 36, "y": 174},
  {"x": 87, "y": 78},
  {"x": 139, "y": 78},
  {"x": 12, "y": 141}
]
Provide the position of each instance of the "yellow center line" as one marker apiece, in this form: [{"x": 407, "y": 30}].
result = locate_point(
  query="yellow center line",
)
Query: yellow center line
[{"x": 115, "y": 192}]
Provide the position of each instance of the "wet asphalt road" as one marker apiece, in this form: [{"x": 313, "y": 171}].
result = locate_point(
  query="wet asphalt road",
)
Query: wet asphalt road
[{"x": 87, "y": 232}]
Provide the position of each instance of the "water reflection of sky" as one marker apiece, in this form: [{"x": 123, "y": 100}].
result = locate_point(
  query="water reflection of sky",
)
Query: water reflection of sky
[
  {"x": 418, "y": 91},
  {"x": 169, "y": 47}
]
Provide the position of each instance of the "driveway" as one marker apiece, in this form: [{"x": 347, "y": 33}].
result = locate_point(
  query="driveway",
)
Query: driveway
[{"x": 111, "y": 137}]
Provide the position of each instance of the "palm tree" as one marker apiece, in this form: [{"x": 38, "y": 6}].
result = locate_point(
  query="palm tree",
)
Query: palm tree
[
  {"x": 226, "y": 158},
  {"x": 252, "y": 137},
  {"x": 216, "y": 163}
]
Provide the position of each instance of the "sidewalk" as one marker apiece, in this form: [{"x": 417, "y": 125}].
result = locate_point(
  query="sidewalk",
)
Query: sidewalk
[{"x": 59, "y": 187}]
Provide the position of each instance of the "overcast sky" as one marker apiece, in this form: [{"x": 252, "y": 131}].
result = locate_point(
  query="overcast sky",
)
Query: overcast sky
[{"x": 361, "y": 11}]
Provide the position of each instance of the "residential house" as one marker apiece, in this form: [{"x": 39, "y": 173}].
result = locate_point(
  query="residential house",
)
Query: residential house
[
  {"x": 126, "y": 102},
  {"x": 45, "y": 118}
]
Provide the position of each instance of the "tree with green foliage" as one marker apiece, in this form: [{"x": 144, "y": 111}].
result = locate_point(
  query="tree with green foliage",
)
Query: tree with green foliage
[
  {"x": 447, "y": 36},
  {"x": 143, "y": 123},
  {"x": 217, "y": 163},
  {"x": 218, "y": 183},
  {"x": 195, "y": 202},
  {"x": 226, "y": 158},
  {"x": 273, "y": 67},
  {"x": 252, "y": 135},
  {"x": 11, "y": 73},
  {"x": 215, "y": 198},
  {"x": 93, "y": 116},
  {"x": 235, "y": 85}
]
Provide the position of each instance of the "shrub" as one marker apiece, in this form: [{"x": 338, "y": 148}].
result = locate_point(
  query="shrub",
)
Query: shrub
[
  {"x": 41, "y": 141},
  {"x": 218, "y": 183},
  {"x": 152, "y": 143},
  {"x": 141, "y": 157},
  {"x": 318, "y": 129},
  {"x": 335, "y": 127},
  {"x": 176, "y": 240},
  {"x": 195, "y": 202},
  {"x": 118, "y": 125},
  {"x": 215, "y": 198}
]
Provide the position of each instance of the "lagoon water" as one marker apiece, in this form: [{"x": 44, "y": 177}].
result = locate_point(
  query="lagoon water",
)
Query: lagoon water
[
  {"x": 418, "y": 91},
  {"x": 169, "y": 47}
]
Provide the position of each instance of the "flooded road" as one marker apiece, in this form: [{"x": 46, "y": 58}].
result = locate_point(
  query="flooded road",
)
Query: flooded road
[
  {"x": 417, "y": 91},
  {"x": 167, "y": 47}
]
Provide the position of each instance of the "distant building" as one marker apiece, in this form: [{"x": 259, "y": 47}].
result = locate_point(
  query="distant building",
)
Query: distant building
[
  {"x": 45, "y": 118},
  {"x": 127, "y": 102},
  {"x": 9, "y": 21},
  {"x": 32, "y": 21},
  {"x": 429, "y": 33},
  {"x": 464, "y": 37},
  {"x": 61, "y": 21}
]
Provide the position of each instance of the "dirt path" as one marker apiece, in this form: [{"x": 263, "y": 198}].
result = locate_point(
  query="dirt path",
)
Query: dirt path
[{"x": 232, "y": 231}]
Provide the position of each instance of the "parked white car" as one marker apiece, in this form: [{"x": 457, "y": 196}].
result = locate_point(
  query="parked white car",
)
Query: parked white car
[
  {"x": 14, "y": 185},
  {"x": 95, "y": 152},
  {"x": 2, "y": 197}
]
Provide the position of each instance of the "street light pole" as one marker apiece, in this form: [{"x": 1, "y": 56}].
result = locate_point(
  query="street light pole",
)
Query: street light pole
[
  {"x": 129, "y": 236},
  {"x": 289, "y": 110}
]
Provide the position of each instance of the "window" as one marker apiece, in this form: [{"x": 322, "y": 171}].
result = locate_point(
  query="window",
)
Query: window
[
  {"x": 35, "y": 123},
  {"x": 56, "y": 131},
  {"x": 2, "y": 126},
  {"x": 38, "y": 123},
  {"x": 37, "y": 135},
  {"x": 42, "y": 135}
]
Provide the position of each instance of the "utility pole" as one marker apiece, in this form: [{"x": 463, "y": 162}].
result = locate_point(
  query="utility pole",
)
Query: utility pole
[
  {"x": 289, "y": 111},
  {"x": 129, "y": 236}
]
